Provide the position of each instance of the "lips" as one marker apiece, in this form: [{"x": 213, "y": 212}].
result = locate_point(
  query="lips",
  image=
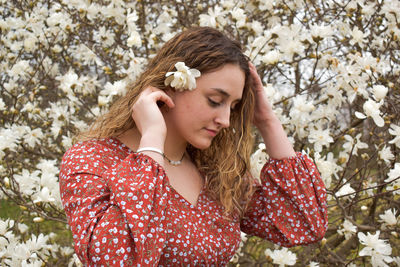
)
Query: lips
[{"x": 212, "y": 132}]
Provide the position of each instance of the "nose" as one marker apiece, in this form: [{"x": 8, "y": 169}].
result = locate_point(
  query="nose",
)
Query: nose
[{"x": 223, "y": 117}]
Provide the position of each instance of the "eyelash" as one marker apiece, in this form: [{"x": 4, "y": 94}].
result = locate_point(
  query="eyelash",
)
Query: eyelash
[
  {"x": 216, "y": 104},
  {"x": 213, "y": 103}
]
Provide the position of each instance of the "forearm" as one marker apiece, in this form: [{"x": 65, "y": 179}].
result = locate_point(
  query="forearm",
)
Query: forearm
[{"x": 275, "y": 139}]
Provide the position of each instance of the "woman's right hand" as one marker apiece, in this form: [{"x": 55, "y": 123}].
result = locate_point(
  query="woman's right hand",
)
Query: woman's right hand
[{"x": 147, "y": 114}]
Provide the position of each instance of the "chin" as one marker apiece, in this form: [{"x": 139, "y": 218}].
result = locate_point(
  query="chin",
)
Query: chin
[{"x": 201, "y": 145}]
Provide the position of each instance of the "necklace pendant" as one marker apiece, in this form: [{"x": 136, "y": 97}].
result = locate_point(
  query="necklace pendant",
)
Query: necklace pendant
[{"x": 175, "y": 163}]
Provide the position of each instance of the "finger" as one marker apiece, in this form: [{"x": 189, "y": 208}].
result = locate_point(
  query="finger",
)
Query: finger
[
  {"x": 257, "y": 84},
  {"x": 148, "y": 90},
  {"x": 162, "y": 96}
]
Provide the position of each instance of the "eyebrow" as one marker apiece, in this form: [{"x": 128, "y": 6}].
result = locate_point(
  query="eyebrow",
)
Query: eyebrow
[{"x": 224, "y": 93}]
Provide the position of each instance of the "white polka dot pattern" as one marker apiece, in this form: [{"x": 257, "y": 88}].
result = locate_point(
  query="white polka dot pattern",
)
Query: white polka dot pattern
[{"x": 123, "y": 212}]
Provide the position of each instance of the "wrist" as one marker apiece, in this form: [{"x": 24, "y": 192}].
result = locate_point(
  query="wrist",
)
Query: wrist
[
  {"x": 150, "y": 139},
  {"x": 268, "y": 123}
]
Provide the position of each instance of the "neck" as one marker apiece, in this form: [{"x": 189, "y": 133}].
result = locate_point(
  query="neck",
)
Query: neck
[{"x": 174, "y": 147}]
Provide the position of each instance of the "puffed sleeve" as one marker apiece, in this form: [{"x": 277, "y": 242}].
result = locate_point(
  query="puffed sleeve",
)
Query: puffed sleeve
[
  {"x": 116, "y": 212},
  {"x": 289, "y": 207}
]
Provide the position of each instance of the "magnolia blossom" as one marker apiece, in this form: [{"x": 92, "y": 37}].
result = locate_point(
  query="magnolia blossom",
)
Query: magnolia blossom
[
  {"x": 345, "y": 190},
  {"x": 282, "y": 256},
  {"x": 379, "y": 92},
  {"x": 257, "y": 160},
  {"x": 395, "y": 130},
  {"x": 357, "y": 37},
  {"x": 214, "y": 16},
  {"x": 327, "y": 166},
  {"x": 377, "y": 248},
  {"x": 347, "y": 229},
  {"x": 33, "y": 137},
  {"x": 240, "y": 17},
  {"x": 271, "y": 57},
  {"x": 43, "y": 196},
  {"x": 28, "y": 181},
  {"x": 386, "y": 154},
  {"x": 183, "y": 78},
  {"x": 110, "y": 90},
  {"x": 353, "y": 144},
  {"x": 369, "y": 187},
  {"x": 394, "y": 173},
  {"x": 371, "y": 109},
  {"x": 134, "y": 39},
  {"x": 2, "y": 104},
  {"x": 320, "y": 138},
  {"x": 394, "y": 179},
  {"x": 389, "y": 217}
]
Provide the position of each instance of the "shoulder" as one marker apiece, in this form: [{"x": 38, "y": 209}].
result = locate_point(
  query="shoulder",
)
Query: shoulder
[{"x": 94, "y": 155}]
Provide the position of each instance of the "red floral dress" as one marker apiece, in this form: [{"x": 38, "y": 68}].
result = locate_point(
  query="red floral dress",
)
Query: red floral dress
[{"x": 123, "y": 212}]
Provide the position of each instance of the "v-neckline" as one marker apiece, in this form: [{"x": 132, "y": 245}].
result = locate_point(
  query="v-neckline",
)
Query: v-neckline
[{"x": 195, "y": 206}]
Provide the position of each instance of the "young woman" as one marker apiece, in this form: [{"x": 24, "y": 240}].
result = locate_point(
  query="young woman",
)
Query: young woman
[{"x": 163, "y": 178}]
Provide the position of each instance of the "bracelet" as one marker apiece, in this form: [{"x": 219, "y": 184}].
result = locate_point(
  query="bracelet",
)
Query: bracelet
[
  {"x": 152, "y": 149},
  {"x": 156, "y": 150}
]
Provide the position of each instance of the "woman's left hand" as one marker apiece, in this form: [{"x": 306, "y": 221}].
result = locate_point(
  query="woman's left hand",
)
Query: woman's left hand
[
  {"x": 275, "y": 139},
  {"x": 263, "y": 109}
]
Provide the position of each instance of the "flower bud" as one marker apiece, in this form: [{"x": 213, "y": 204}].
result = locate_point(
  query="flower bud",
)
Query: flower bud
[
  {"x": 38, "y": 219},
  {"x": 379, "y": 92},
  {"x": 6, "y": 182}
]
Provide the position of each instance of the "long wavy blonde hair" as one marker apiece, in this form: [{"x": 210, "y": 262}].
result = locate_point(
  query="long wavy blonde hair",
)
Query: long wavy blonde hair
[{"x": 226, "y": 162}]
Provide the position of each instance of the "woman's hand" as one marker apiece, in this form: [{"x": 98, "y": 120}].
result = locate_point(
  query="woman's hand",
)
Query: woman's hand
[
  {"x": 275, "y": 138},
  {"x": 263, "y": 109},
  {"x": 147, "y": 114}
]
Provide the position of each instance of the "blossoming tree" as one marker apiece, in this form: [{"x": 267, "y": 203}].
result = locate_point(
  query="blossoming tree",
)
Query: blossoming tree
[{"x": 331, "y": 69}]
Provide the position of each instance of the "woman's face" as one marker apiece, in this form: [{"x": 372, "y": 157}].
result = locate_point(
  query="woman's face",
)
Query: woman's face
[{"x": 200, "y": 114}]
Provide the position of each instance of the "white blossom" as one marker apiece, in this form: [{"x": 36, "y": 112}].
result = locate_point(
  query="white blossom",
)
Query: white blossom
[
  {"x": 371, "y": 109},
  {"x": 214, "y": 17},
  {"x": 320, "y": 138},
  {"x": 183, "y": 78},
  {"x": 271, "y": 57},
  {"x": 257, "y": 160},
  {"x": 43, "y": 196},
  {"x": 379, "y": 92},
  {"x": 240, "y": 17},
  {"x": 386, "y": 154},
  {"x": 28, "y": 181},
  {"x": 347, "y": 229},
  {"x": 357, "y": 36},
  {"x": 33, "y": 137},
  {"x": 377, "y": 248},
  {"x": 394, "y": 179},
  {"x": 394, "y": 173},
  {"x": 395, "y": 130},
  {"x": 389, "y": 217},
  {"x": 313, "y": 264},
  {"x": 354, "y": 144},
  {"x": 345, "y": 190},
  {"x": 322, "y": 31},
  {"x": 328, "y": 167},
  {"x": 282, "y": 256},
  {"x": 2, "y": 105}
]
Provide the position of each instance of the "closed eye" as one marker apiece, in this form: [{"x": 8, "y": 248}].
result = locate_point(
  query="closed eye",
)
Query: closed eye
[{"x": 213, "y": 103}]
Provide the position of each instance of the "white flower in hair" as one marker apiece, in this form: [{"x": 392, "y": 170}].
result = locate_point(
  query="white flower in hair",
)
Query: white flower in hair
[{"x": 182, "y": 79}]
